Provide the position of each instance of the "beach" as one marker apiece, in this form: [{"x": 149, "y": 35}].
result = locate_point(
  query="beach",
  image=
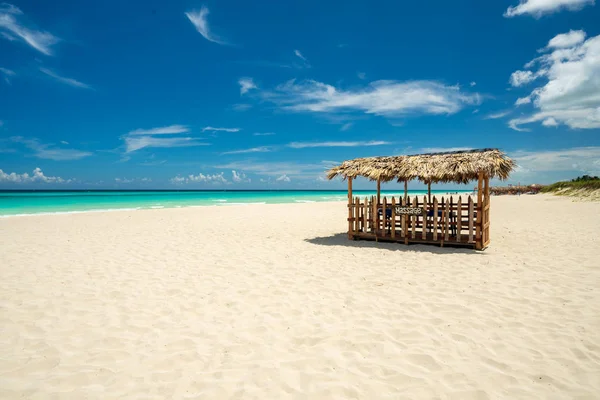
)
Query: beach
[{"x": 272, "y": 301}]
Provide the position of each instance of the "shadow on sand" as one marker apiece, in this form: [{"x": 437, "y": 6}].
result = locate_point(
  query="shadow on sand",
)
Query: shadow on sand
[{"x": 341, "y": 239}]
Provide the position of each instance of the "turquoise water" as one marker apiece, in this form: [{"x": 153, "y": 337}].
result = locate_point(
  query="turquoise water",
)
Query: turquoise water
[{"x": 24, "y": 203}]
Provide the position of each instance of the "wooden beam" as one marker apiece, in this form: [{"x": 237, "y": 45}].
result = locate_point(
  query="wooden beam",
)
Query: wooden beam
[
  {"x": 405, "y": 192},
  {"x": 378, "y": 192},
  {"x": 429, "y": 192},
  {"x": 486, "y": 210}
]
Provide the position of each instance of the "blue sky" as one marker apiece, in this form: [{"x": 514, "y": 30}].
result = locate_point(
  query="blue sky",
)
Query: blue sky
[{"x": 244, "y": 95}]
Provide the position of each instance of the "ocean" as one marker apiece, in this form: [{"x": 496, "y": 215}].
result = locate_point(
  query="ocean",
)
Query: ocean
[{"x": 17, "y": 203}]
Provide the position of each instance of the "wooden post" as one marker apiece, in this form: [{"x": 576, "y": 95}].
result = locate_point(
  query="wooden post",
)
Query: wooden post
[
  {"x": 365, "y": 215},
  {"x": 429, "y": 191},
  {"x": 405, "y": 192},
  {"x": 414, "y": 219},
  {"x": 350, "y": 208},
  {"x": 357, "y": 218},
  {"x": 393, "y": 217},
  {"x": 424, "y": 224},
  {"x": 378, "y": 192},
  {"x": 471, "y": 217},
  {"x": 435, "y": 219},
  {"x": 486, "y": 211},
  {"x": 447, "y": 212},
  {"x": 479, "y": 225},
  {"x": 403, "y": 218},
  {"x": 374, "y": 215},
  {"x": 459, "y": 219},
  {"x": 384, "y": 215}
]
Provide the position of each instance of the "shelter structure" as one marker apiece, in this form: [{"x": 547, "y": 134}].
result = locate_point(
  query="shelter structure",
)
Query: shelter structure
[{"x": 446, "y": 220}]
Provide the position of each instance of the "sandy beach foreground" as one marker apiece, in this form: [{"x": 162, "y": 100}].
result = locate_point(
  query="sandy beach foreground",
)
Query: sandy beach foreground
[{"x": 273, "y": 302}]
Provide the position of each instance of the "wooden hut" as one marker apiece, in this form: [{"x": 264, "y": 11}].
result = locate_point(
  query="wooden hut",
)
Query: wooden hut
[{"x": 460, "y": 220}]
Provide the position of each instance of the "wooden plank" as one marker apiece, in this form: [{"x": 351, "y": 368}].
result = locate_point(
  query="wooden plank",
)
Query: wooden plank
[
  {"x": 486, "y": 210},
  {"x": 403, "y": 217},
  {"x": 447, "y": 218},
  {"x": 424, "y": 227},
  {"x": 435, "y": 218},
  {"x": 350, "y": 208},
  {"x": 374, "y": 215},
  {"x": 479, "y": 222},
  {"x": 365, "y": 215},
  {"x": 384, "y": 216},
  {"x": 357, "y": 219},
  {"x": 414, "y": 219},
  {"x": 459, "y": 218},
  {"x": 471, "y": 217},
  {"x": 393, "y": 217}
]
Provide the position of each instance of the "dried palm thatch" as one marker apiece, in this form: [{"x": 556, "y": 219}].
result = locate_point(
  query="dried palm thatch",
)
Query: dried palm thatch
[{"x": 456, "y": 166}]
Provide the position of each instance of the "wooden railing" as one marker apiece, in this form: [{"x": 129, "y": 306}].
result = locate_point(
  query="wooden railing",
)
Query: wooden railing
[{"x": 449, "y": 219}]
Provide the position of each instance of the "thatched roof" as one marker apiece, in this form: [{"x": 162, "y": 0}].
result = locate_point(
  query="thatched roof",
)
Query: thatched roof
[{"x": 456, "y": 166}]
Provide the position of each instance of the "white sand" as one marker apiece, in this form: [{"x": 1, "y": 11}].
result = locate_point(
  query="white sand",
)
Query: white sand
[{"x": 273, "y": 302}]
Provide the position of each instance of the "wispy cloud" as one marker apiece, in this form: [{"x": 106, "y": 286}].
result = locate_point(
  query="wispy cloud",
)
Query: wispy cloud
[
  {"x": 164, "y": 130},
  {"x": 13, "y": 29},
  {"x": 283, "y": 178},
  {"x": 302, "y": 145},
  {"x": 576, "y": 160},
  {"x": 66, "y": 81},
  {"x": 213, "y": 129},
  {"x": 497, "y": 115},
  {"x": 200, "y": 20},
  {"x": 50, "y": 151},
  {"x": 386, "y": 98},
  {"x": 241, "y": 107},
  {"x": 264, "y": 133},
  {"x": 262, "y": 149},
  {"x": 36, "y": 176},
  {"x": 8, "y": 74},
  {"x": 155, "y": 137},
  {"x": 361, "y": 75},
  {"x": 135, "y": 143},
  {"x": 298, "y": 170},
  {"x": 538, "y": 8},
  {"x": 300, "y": 56},
  {"x": 346, "y": 126},
  {"x": 246, "y": 84}
]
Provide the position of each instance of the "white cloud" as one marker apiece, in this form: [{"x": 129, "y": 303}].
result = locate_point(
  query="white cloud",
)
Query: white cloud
[
  {"x": 571, "y": 94},
  {"x": 361, "y": 75},
  {"x": 49, "y": 151},
  {"x": 146, "y": 180},
  {"x": 577, "y": 160},
  {"x": 134, "y": 143},
  {"x": 200, "y": 21},
  {"x": 208, "y": 178},
  {"x": 7, "y": 73},
  {"x": 239, "y": 177},
  {"x": 64, "y": 142},
  {"x": 523, "y": 100},
  {"x": 246, "y": 84},
  {"x": 37, "y": 176},
  {"x": 473, "y": 83},
  {"x": 283, "y": 178},
  {"x": 123, "y": 180},
  {"x": 520, "y": 78},
  {"x": 262, "y": 149},
  {"x": 386, "y": 98},
  {"x": 537, "y": 8},
  {"x": 212, "y": 129},
  {"x": 263, "y": 133},
  {"x": 302, "y": 145},
  {"x": 164, "y": 130},
  {"x": 550, "y": 122},
  {"x": 13, "y": 29},
  {"x": 568, "y": 39},
  {"x": 346, "y": 126},
  {"x": 497, "y": 115},
  {"x": 277, "y": 168},
  {"x": 66, "y": 81}
]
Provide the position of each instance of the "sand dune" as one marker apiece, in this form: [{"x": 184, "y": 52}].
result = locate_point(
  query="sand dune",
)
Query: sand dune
[{"x": 273, "y": 302}]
